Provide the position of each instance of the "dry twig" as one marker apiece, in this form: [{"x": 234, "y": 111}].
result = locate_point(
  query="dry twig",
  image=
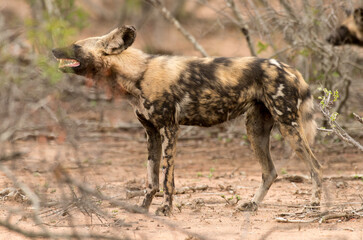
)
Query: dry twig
[
  {"x": 242, "y": 24},
  {"x": 169, "y": 17},
  {"x": 359, "y": 119},
  {"x": 323, "y": 217},
  {"x": 62, "y": 176},
  {"x": 73, "y": 235},
  {"x": 335, "y": 126}
]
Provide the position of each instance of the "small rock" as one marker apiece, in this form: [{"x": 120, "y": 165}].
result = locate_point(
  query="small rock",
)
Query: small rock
[{"x": 341, "y": 184}]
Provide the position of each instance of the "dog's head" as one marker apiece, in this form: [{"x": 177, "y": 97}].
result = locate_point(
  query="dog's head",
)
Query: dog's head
[
  {"x": 350, "y": 31},
  {"x": 90, "y": 56}
]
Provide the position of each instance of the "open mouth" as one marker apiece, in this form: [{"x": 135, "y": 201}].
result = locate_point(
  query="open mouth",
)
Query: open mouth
[{"x": 67, "y": 62}]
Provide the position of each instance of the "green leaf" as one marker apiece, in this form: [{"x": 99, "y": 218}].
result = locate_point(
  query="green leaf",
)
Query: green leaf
[
  {"x": 335, "y": 74},
  {"x": 334, "y": 116},
  {"x": 261, "y": 47},
  {"x": 336, "y": 95},
  {"x": 305, "y": 52}
]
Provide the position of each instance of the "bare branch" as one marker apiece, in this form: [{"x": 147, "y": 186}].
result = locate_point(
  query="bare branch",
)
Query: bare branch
[
  {"x": 242, "y": 24},
  {"x": 37, "y": 235},
  {"x": 335, "y": 127},
  {"x": 325, "y": 130},
  {"x": 19, "y": 123},
  {"x": 29, "y": 193},
  {"x": 354, "y": 65},
  {"x": 323, "y": 217},
  {"x": 62, "y": 176},
  {"x": 347, "y": 83},
  {"x": 360, "y": 119},
  {"x": 170, "y": 18},
  {"x": 288, "y": 8}
]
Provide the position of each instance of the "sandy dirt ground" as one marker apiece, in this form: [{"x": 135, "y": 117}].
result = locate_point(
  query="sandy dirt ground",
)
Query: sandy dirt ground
[{"x": 214, "y": 169}]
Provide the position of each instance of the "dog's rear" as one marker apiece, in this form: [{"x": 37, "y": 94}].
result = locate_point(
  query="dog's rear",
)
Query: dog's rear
[{"x": 287, "y": 102}]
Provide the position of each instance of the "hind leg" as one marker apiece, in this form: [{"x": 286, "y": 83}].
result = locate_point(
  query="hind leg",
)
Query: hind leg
[
  {"x": 259, "y": 123},
  {"x": 302, "y": 149}
]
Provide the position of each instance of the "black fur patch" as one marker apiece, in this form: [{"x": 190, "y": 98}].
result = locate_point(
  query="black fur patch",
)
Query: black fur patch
[{"x": 343, "y": 36}]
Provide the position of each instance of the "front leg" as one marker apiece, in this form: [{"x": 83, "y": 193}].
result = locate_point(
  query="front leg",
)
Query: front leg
[
  {"x": 168, "y": 138},
  {"x": 153, "y": 161}
]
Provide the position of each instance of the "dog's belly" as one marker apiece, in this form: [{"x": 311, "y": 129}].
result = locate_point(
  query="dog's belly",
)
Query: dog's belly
[{"x": 207, "y": 116}]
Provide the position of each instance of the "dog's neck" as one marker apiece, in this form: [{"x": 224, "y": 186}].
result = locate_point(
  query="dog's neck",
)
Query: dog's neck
[{"x": 129, "y": 68}]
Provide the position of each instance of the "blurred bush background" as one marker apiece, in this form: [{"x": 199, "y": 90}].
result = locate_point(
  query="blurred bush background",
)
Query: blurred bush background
[{"x": 293, "y": 32}]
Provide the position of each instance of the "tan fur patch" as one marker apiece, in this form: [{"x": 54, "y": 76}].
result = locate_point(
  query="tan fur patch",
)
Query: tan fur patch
[
  {"x": 91, "y": 45},
  {"x": 230, "y": 75},
  {"x": 162, "y": 72},
  {"x": 353, "y": 27},
  {"x": 271, "y": 70}
]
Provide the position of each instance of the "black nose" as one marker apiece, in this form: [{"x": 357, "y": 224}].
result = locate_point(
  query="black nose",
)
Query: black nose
[
  {"x": 57, "y": 52},
  {"x": 54, "y": 51}
]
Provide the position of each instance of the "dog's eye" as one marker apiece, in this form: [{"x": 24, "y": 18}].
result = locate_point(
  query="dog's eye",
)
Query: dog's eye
[{"x": 75, "y": 46}]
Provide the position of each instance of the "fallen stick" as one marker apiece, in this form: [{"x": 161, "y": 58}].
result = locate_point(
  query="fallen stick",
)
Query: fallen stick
[
  {"x": 285, "y": 220},
  {"x": 138, "y": 193},
  {"x": 323, "y": 217},
  {"x": 303, "y": 178}
]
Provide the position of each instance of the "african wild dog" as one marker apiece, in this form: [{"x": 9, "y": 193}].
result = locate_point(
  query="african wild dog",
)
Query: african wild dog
[
  {"x": 168, "y": 91},
  {"x": 350, "y": 31}
]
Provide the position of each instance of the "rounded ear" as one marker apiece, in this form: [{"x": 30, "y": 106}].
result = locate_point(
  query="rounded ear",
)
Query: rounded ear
[
  {"x": 348, "y": 12},
  {"x": 358, "y": 16},
  {"x": 118, "y": 40}
]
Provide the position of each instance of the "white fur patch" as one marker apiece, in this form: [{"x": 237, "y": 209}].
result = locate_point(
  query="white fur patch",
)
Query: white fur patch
[
  {"x": 185, "y": 101},
  {"x": 177, "y": 113},
  {"x": 162, "y": 133},
  {"x": 298, "y": 103},
  {"x": 278, "y": 111},
  {"x": 279, "y": 92},
  {"x": 140, "y": 107},
  {"x": 294, "y": 124},
  {"x": 274, "y": 62}
]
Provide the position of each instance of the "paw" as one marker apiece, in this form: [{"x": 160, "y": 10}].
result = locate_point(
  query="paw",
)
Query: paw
[
  {"x": 142, "y": 209},
  {"x": 315, "y": 199},
  {"x": 315, "y": 203},
  {"x": 148, "y": 199},
  {"x": 145, "y": 205},
  {"x": 137, "y": 209},
  {"x": 163, "y": 211},
  {"x": 12, "y": 194},
  {"x": 248, "y": 207}
]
